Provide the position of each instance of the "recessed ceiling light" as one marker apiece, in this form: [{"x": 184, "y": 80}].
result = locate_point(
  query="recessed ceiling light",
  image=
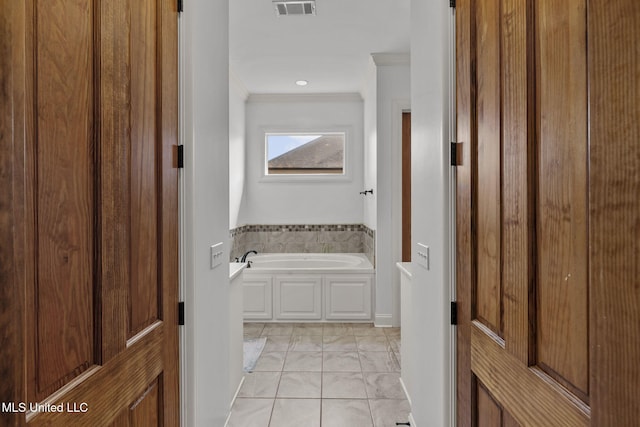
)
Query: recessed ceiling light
[{"x": 302, "y": 82}]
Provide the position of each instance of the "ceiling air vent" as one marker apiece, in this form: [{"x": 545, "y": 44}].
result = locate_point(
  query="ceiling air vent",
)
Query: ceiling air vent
[{"x": 284, "y": 8}]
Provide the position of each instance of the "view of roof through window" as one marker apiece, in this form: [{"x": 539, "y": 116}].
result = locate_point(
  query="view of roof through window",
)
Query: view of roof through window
[{"x": 305, "y": 154}]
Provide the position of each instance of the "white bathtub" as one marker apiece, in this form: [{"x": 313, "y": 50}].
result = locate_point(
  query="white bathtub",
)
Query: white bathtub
[
  {"x": 308, "y": 263},
  {"x": 308, "y": 287}
]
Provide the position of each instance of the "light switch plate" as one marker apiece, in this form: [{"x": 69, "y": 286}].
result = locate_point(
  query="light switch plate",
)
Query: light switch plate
[
  {"x": 216, "y": 253},
  {"x": 423, "y": 255}
]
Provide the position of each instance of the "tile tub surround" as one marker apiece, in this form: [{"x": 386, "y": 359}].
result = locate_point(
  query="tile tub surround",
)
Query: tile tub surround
[
  {"x": 331, "y": 375},
  {"x": 315, "y": 238}
]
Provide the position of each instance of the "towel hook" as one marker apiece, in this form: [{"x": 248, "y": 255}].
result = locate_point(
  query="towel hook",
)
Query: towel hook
[{"x": 365, "y": 192}]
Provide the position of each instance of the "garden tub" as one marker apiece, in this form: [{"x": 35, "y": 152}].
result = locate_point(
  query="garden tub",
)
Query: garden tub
[{"x": 308, "y": 287}]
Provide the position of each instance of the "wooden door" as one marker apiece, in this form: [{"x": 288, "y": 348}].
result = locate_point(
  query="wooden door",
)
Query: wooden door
[
  {"x": 88, "y": 213},
  {"x": 548, "y": 207},
  {"x": 406, "y": 187}
]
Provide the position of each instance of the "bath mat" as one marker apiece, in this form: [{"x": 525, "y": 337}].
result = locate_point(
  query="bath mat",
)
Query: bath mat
[{"x": 252, "y": 350}]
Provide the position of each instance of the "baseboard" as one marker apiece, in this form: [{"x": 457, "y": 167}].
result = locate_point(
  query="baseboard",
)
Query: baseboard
[
  {"x": 406, "y": 393},
  {"x": 412, "y": 421},
  {"x": 235, "y": 395},
  {"x": 226, "y": 422},
  {"x": 383, "y": 320}
]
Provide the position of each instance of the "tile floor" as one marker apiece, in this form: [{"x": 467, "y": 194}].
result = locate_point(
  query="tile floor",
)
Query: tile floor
[{"x": 323, "y": 375}]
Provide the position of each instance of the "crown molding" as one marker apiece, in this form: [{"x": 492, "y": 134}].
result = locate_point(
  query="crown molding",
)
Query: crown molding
[
  {"x": 310, "y": 97},
  {"x": 381, "y": 59}
]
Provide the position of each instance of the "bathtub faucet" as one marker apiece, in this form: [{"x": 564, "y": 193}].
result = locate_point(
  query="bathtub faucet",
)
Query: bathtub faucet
[{"x": 244, "y": 257}]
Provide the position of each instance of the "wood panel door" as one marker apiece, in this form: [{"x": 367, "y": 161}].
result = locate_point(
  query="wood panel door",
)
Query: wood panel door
[
  {"x": 88, "y": 213},
  {"x": 548, "y": 212}
]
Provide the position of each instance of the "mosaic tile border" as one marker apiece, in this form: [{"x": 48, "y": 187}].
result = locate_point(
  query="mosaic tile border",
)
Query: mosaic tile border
[{"x": 300, "y": 227}]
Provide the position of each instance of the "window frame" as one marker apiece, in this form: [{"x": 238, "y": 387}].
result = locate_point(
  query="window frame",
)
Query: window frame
[{"x": 311, "y": 177}]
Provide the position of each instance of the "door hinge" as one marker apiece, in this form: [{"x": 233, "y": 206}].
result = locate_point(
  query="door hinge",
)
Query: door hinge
[
  {"x": 454, "y": 312},
  {"x": 180, "y": 156},
  {"x": 181, "y": 313},
  {"x": 180, "y": 6},
  {"x": 452, "y": 3},
  {"x": 456, "y": 153}
]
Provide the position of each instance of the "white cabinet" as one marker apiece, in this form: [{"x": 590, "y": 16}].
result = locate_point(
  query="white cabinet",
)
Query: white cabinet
[
  {"x": 307, "y": 297},
  {"x": 297, "y": 297},
  {"x": 235, "y": 328},
  {"x": 257, "y": 293},
  {"x": 347, "y": 297}
]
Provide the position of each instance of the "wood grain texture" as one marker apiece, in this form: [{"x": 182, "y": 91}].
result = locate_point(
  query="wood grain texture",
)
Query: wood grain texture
[
  {"x": 406, "y": 187},
  {"x": 12, "y": 204},
  {"x": 488, "y": 179},
  {"x": 614, "y": 206},
  {"x": 509, "y": 381},
  {"x": 64, "y": 194},
  {"x": 144, "y": 289},
  {"x": 465, "y": 119},
  {"x": 64, "y": 131},
  {"x": 168, "y": 203},
  {"x": 113, "y": 156},
  {"x": 562, "y": 335},
  {"x": 112, "y": 387},
  {"x": 518, "y": 154},
  {"x": 489, "y": 413},
  {"x": 146, "y": 409},
  {"x": 508, "y": 420}
]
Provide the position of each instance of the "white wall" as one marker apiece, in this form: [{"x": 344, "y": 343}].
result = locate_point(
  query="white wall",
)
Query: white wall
[
  {"x": 322, "y": 202},
  {"x": 370, "y": 144},
  {"x": 237, "y": 152},
  {"x": 393, "y": 93},
  {"x": 204, "y": 65},
  {"x": 430, "y": 211}
]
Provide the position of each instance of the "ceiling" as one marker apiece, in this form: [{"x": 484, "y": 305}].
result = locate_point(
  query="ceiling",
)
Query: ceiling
[{"x": 331, "y": 49}]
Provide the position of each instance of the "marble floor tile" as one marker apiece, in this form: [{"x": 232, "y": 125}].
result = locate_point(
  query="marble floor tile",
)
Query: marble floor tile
[
  {"x": 277, "y": 343},
  {"x": 380, "y": 343},
  {"x": 309, "y": 361},
  {"x": 340, "y": 361},
  {"x": 251, "y": 413},
  {"x": 322, "y": 375},
  {"x": 306, "y": 343},
  {"x": 395, "y": 344},
  {"x": 339, "y": 343},
  {"x": 334, "y": 329},
  {"x": 392, "y": 332},
  {"x": 308, "y": 329},
  {"x": 270, "y": 361},
  {"x": 383, "y": 385},
  {"x": 260, "y": 384},
  {"x": 366, "y": 329},
  {"x": 296, "y": 413},
  {"x": 378, "y": 361},
  {"x": 343, "y": 385},
  {"x": 277, "y": 329},
  {"x": 300, "y": 385},
  {"x": 252, "y": 330},
  {"x": 387, "y": 412},
  {"x": 346, "y": 413}
]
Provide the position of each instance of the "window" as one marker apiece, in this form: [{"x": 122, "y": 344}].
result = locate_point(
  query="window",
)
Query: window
[{"x": 319, "y": 153}]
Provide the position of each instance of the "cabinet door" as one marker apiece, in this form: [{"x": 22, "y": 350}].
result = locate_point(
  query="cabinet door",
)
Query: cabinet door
[
  {"x": 348, "y": 297},
  {"x": 256, "y": 293},
  {"x": 298, "y": 297}
]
